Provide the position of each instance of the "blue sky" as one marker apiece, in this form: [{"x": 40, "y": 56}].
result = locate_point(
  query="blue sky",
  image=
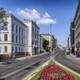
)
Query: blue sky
[{"x": 58, "y": 12}]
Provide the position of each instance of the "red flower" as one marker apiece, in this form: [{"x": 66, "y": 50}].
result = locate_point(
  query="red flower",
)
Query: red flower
[{"x": 54, "y": 72}]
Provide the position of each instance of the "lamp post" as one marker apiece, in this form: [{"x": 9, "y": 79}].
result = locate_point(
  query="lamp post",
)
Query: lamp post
[{"x": 51, "y": 41}]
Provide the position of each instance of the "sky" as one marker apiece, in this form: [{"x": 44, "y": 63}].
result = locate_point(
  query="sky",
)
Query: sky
[{"x": 56, "y": 13}]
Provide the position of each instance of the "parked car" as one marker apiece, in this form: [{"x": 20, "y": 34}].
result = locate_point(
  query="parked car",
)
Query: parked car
[{"x": 67, "y": 51}]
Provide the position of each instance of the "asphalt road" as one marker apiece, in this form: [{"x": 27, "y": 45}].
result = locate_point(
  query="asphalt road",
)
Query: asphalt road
[
  {"x": 19, "y": 69},
  {"x": 61, "y": 58}
]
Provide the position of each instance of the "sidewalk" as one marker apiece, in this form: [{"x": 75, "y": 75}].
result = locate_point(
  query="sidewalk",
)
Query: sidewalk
[
  {"x": 73, "y": 58},
  {"x": 15, "y": 60},
  {"x": 25, "y": 57}
]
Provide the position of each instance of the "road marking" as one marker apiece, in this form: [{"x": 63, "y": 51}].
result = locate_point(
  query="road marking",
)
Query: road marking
[
  {"x": 35, "y": 71},
  {"x": 68, "y": 57},
  {"x": 68, "y": 69},
  {"x": 14, "y": 72}
]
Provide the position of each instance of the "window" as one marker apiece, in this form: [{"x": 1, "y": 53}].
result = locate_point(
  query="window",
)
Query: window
[
  {"x": 12, "y": 37},
  {"x": 16, "y": 39},
  {"x": 19, "y": 38},
  {"x": 15, "y": 49},
  {"x": 5, "y": 28},
  {"x": 16, "y": 28},
  {"x": 5, "y": 48},
  {"x": 19, "y": 49},
  {"x": 12, "y": 49},
  {"x": 0, "y": 49},
  {"x": 13, "y": 27},
  {"x": 22, "y": 40},
  {"x": 5, "y": 37},
  {"x": 19, "y": 30},
  {"x": 0, "y": 37}
]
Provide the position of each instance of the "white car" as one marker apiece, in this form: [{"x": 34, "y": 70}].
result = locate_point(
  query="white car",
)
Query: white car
[{"x": 67, "y": 51}]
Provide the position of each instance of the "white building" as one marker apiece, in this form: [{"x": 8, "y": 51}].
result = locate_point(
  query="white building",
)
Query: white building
[
  {"x": 33, "y": 37},
  {"x": 13, "y": 37},
  {"x": 41, "y": 43},
  {"x": 51, "y": 39}
]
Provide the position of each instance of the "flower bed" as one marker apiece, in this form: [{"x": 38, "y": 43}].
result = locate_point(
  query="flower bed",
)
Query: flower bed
[
  {"x": 51, "y": 70},
  {"x": 54, "y": 72}
]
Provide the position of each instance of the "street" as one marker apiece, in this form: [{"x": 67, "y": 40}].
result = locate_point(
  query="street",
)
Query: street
[
  {"x": 22, "y": 68},
  {"x": 61, "y": 58},
  {"x": 41, "y": 34}
]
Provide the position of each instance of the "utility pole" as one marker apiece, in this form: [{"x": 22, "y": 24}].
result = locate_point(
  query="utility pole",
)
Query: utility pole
[{"x": 51, "y": 36}]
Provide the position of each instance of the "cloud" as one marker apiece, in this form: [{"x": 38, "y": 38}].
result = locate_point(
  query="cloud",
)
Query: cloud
[
  {"x": 36, "y": 16},
  {"x": 29, "y": 14},
  {"x": 46, "y": 15},
  {"x": 46, "y": 21}
]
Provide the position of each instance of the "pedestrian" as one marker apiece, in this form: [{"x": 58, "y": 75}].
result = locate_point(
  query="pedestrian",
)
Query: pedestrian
[{"x": 78, "y": 52}]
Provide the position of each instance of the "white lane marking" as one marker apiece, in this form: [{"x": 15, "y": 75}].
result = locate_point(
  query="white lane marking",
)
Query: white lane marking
[
  {"x": 68, "y": 69},
  {"x": 14, "y": 72}
]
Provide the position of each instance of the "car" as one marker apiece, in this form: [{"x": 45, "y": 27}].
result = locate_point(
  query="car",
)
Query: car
[{"x": 67, "y": 51}]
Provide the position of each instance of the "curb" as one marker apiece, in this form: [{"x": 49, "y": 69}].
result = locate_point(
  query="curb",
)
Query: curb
[
  {"x": 68, "y": 69},
  {"x": 12, "y": 73},
  {"x": 35, "y": 71},
  {"x": 40, "y": 67},
  {"x": 23, "y": 58},
  {"x": 71, "y": 58}
]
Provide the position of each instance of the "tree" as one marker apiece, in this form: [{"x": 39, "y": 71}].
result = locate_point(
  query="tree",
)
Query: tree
[
  {"x": 2, "y": 16},
  {"x": 46, "y": 45},
  {"x": 2, "y": 13}
]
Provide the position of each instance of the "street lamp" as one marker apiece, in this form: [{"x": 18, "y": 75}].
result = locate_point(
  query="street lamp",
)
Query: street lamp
[{"x": 51, "y": 40}]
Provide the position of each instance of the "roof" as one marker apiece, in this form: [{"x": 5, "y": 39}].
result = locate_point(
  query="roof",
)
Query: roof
[
  {"x": 31, "y": 21},
  {"x": 18, "y": 20}
]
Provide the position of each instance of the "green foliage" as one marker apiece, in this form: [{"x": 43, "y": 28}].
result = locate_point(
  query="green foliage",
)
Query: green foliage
[
  {"x": 37, "y": 75},
  {"x": 46, "y": 45},
  {"x": 2, "y": 15}
]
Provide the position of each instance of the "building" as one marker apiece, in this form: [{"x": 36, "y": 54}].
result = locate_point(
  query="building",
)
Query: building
[
  {"x": 13, "y": 37},
  {"x": 72, "y": 35},
  {"x": 77, "y": 26},
  {"x": 68, "y": 43},
  {"x": 33, "y": 37},
  {"x": 41, "y": 43},
  {"x": 54, "y": 42},
  {"x": 51, "y": 39}
]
